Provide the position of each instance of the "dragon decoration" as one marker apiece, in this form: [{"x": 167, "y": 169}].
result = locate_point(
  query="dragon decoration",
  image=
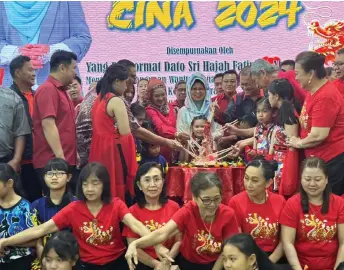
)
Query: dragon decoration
[{"x": 332, "y": 34}]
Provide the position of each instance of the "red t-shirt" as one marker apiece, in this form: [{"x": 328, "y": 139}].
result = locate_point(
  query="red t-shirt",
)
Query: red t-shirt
[
  {"x": 153, "y": 221},
  {"x": 259, "y": 220},
  {"x": 316, "y": 241},
  {"x": 324, "y": 109},
  {"x": 52, "y": 100},
  {"x": 99, "y": 237},
  {"x": 339, "y": 83},
  {"x": 197, "y": 245}
]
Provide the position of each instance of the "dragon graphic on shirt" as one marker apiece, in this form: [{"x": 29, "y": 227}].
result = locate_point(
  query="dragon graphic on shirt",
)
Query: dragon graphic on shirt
[
  {"x": 206, "y": 244},
  {"x": 96, "y": 235},
  {"x": 333, "y": 35},
  {"x": 304, "y": 117},
  {"x": 153, "y": 225},
  {"x": 315, "y": 229},
  {"x": 263, "y": 229}
]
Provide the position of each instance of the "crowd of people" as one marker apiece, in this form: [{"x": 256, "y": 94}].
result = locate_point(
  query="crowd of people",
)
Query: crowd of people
[{"x": 83, "y": 177}]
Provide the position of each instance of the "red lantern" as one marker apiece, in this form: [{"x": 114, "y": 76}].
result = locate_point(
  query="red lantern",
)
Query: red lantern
[{"x": 273, "y": 60}]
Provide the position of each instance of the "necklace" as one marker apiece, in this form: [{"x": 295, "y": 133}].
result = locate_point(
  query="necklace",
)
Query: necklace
[{"x": 209, "y": 231}]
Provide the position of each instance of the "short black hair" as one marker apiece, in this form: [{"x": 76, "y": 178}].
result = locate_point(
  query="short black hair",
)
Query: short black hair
[
  {"x": 7, "y": 173},
  {"x": 57, "y": 164},
  {"x": 64, "y": 244},
  {"x": 288, "y": 62},
  {"x": 18, "y": 63},
  {"x": 218, "y": 75},
  {"x": 100, "y": 171},
  {"x": 341, "y": 265},
  {"x": 142, "y": 170},
  {"x": 127, "y": 63},
  {"x": 61, "y": 57},
  {"x": 203, "y": 181},
  {"x": 340, "y": 51},
  {"x": 137, "y": 109},
  {"x": 78, "y": 79},
  {"x": 231, "y": 71}
]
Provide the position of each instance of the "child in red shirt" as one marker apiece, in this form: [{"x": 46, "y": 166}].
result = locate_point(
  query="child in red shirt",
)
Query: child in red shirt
[
  {"x": 204, "y": 222},
  {"x": 258, "y": 210},
  {"x": 154, "y": 210},
  {"x": 313, "y": 221},
  {"x": 94, "y": 221}
]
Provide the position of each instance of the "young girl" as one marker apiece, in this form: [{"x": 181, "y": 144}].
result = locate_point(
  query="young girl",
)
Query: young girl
[
  {"x": 240, "y": 252},
  {"x": 56, "y": 177},
  {"x": 154, "y": 210},
  {"x": 264, "y": 129},
  {"x": 61, "y": 252},
  {"x": 281, "y": 96},
  {"x": 94, "y": 220},
  {"x": 16, "y": 215},
  {"x": 204, "y": 222},
  {"x": 151, "y": 153},
  {"x": 198, "y": 133}
]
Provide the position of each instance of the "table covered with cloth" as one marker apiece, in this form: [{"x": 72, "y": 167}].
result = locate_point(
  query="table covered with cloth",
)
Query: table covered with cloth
[{"x": 178, "y": 181}]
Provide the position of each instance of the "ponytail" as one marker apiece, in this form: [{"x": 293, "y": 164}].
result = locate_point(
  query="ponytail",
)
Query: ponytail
[{"x": 286, "y": 114}]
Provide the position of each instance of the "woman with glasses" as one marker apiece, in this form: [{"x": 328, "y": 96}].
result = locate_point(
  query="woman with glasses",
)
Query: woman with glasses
[
  {"x": 197, "y": 103},
  {"x": 204, "y": 222},
  {"x": 56, "y": 176},
  {"x": 258, "y": 210},
  {"x": 154, "y": 210}
]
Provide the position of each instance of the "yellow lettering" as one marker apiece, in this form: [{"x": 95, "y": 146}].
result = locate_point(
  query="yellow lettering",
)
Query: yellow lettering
[
  {"x": 182, "y": 11},
  {"x": 291, "y": 11},
  {"x": 269, "y": 14},
  {"x": 251, "y": 16},
  {"x": 155, "y": 12},
  {"x": 115, "y": 19},
  {"x": 139, "y": 14},
  {"x": 227, "y": 17}
]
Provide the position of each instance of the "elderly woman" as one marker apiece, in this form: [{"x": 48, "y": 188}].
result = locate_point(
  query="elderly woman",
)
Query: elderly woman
[
  {"x": 197, "y": 103},
  {"x": 162, "y": 115},
  {"x": 322, "y": 118}
]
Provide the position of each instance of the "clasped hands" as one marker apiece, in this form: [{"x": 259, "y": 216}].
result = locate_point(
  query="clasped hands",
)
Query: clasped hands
[{"x": 37, "y": 54}]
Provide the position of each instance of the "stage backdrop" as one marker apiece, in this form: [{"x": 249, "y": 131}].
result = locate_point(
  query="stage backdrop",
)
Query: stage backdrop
[{"x": 171, "y": 40}]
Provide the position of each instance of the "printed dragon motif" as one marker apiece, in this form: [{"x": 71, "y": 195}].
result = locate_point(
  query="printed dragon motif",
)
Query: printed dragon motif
[
  {"x": 332, "y": 34},
  {"x": 320, "y": 231},
  {"x": 208, "y": 243},
  {"x": 263, "y": 228}
]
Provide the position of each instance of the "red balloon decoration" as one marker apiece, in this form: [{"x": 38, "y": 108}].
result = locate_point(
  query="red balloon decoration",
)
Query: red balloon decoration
[{"x": 274, "y": 60}]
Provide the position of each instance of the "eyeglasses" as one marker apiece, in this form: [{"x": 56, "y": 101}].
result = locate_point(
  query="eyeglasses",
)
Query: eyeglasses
[
  {"x": 57, "y": 174},
  {"x": 208, "y": 201}
]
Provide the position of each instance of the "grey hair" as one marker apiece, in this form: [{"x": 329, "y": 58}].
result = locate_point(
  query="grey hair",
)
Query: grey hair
[
  {"x": 246, "y": 71},
  {"x": 260, "y": 64}
]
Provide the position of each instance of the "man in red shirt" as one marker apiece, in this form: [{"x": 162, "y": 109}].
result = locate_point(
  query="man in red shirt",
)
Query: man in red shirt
[
  {"x": 218, "y": 83},
  {"x": 287, "y": 65},
  {"x": 230, "y": 81},
  {"x": 54, "y": 132},
  {"x": 180, "y": 92},
  {"x": 24, "y": 76},
  {"x": 338, "y": 66}
]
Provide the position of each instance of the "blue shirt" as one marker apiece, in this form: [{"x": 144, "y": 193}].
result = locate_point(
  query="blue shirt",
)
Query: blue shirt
[
  {"x": 158, "y": 159},
  {"x": 13, "y": 220}
]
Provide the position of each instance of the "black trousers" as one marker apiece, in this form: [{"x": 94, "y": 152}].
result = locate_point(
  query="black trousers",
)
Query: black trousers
[
  {"x": 118, "y": 264},
  {"x": 30, "y": 183},
  {"x": 23, "y": 263},
  {"x": 71, "y": 185},
  {"x": 336, "y": 174},
  {"x": 184, "y": 264}
]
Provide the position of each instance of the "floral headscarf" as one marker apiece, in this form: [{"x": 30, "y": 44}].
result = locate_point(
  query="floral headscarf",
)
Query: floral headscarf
[
  {"x": 153, "y": 84},
  {"x": 192, "y": 109}
]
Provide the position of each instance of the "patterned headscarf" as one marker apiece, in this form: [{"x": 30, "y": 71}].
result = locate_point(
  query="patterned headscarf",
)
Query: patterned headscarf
[
  {"x": 192, "y": 109},
  {"x": 153, "y": 84}
]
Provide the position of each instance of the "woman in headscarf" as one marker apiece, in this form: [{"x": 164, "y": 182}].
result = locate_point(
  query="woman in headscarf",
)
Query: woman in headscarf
[
  {"x": 197, "y": 103},
  {"x": 162, "y": 115}
]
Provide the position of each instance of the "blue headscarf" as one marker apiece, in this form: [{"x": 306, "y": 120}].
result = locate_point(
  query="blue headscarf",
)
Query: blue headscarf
[
  {"x": 26, "y": 17},
  {"x": 190, "y": 104}
]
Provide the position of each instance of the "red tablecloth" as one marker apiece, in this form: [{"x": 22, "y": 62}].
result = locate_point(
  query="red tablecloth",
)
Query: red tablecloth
[{"x": 178, "y": 181}]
